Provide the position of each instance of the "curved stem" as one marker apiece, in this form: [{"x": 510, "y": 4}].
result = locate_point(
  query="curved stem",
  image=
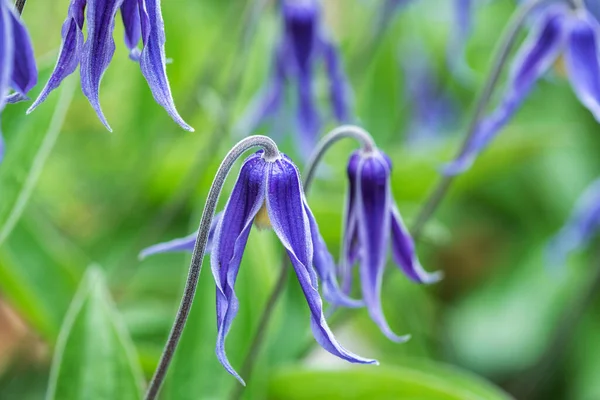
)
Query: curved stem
[
  {"x": 19, "y": 5},
  {"x": 241, "y": 147},
  {"x": 506, "y": 43},
  {"x": 337, "y": 134}
]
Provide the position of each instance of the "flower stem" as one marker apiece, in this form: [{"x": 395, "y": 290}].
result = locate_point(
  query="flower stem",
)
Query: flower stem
[
  {"x": 337, "y": 134},
  {"x": 241, "y": 147},
  {"x": 19, "y": 5},
  {"x": 505, "y": 45}
]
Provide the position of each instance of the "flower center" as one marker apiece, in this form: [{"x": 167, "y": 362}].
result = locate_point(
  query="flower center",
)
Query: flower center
[{"x": 262, "y": 220}]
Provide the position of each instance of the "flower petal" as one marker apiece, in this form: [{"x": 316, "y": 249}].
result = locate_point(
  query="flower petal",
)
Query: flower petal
[
  {"x": 24, "y": 74},
  {"x": 308, "y": 120},
  {"x": 98, "y": 50},
  {"x": 339, "y": 90},
  {"x": 186, "y": 243},
  {"x": 533, "y": 59},
  {"x": 301, "y": 24},
  {"x": 246, "y": 199},
  {"x": 130, "y": 13},
  {"x": 350, "y": 240},
  {"x": 405, "y": 256},
  {"x": 153, "y": 60},
  {"x": 325, "y": 267},
  {"x": 70, "y": 51},
  {"x": 291, "y": 224},
  {"x": 582, "y": 62},
  {"x": 374, "y": 225}
]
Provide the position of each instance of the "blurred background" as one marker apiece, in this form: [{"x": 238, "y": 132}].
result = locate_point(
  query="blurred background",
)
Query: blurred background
[{"x": 504, "y": 322}]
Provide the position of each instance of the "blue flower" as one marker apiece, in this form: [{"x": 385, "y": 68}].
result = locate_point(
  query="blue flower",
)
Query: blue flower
[
  {"x": 581, "y": 227},
  {"x": 302, "y": 45},
  {"x": 17, "y": 68},
  {"x": 373, "y": 222},
  {"x": 268, "y": 193},
  {"x": 559, "y": 30},
  {"x": 143, "y": 22}
]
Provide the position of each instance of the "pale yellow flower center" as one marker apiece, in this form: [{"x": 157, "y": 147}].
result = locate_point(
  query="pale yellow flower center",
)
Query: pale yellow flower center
[{"x": 262, "y": 220}]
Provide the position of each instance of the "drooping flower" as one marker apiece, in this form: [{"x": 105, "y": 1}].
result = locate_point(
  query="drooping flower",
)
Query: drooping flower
[
  {"x": 558, "y": 30},
  {"x": 372, "y": 224},
  {"x": 269, "y": 193},
  {"x": 303, "y": 44},
  {"x": 17, "y": 63},
  {"x": 580, "y": 228},
  {"x": 143, "y": 22}
]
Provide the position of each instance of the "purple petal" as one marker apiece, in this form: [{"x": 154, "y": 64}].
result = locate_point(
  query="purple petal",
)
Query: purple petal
[
  {"x": 309, "y": 122},
  {"x": 325, "y": 267},
  {"x": 405, "y": 256},
  {"x": 582, "y": 62},
  {"x": 6, "y": 53},
  {"x": 98, "y": 50},
  {"x": 130, "y": 13},
  {"x": 291, "y": 224},
  {"x": 70, "y": 51},
  {"x": 338, "y": 85},
  {"x": 186, "y": 243},
  {"x": 374, "y": 225},
  {"x": 16, "y": 97},
  {"x": 246, "y": 199},
  {"x": 24, "y": 74},
  {"x": 350, "y": 240},
  {"x": 301, "y": 23},
  {"x": 153, "y": 60},
  {"x": 533, "y": 59}
]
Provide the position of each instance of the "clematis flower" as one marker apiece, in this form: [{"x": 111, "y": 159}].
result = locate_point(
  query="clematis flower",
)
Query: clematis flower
[
  {"x": 143, "y": 22},
  {"x": 373, "y": 224},
  {"x": 302, "y": 45},
  {"x": 268, "y": 193},
  {"x": 580, "y": 228},
  {"x": 17, "y": 66},
  {"x": 559, "y": 30}
]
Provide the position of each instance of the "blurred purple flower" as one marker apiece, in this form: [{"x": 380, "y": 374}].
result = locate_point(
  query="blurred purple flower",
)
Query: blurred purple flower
[
  {"x": 302, "y": 45},
  {"x": 581, "y": 227},
  {"x": 269, "y": 193},
  {"x": 373, "y": 222},
  {"x": 558, "y": 29},
  {"x": 19, "y": 71},
  {"x": 143, "y": 22}
]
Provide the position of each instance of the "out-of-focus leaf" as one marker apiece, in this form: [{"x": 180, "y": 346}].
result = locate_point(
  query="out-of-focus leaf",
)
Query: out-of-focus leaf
[
  {"x": 416, "y": 381},
  {"x": 94, "y": 358}
]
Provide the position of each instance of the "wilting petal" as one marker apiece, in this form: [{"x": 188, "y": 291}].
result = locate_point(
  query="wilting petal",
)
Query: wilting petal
[
  {"x": 582, "y": 62},
  {"x": 581, "y": 227},
  {"x": 338, "y": 85},
  {"x": 291, "y": 224},
  {"x": 70, "y": 51},
  {"x": 24, "y": 74},
  {"x": 405, "y": 256},
  {"x": 183, "y": 244},
  {"x": 130, "y": 13},
  {"x": 373, "y": 213},
  {"x": 98, "y": 50},
  {"x": 325, "y": 267},
  {"x": 533, "y": 59},
  {"x": 153, "y": 60},
  {"x": 246, "y": 199}
]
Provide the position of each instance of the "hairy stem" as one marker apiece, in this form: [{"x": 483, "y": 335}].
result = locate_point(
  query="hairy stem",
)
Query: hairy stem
[
  {"x": 337, "y": 134},
  {"x": 241, "y": 147},
  {"x": 501, "y": 55},
  {"x": 19, "y": 5}
]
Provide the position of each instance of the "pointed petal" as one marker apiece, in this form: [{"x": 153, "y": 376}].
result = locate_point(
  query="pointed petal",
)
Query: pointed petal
[
  {"x": 70, "y": 51},
  {"x": 373, "y": 212},
  {"x": 186, "y": 243},
  {"x": 98, "y": 50},
  {"x": 15, "y": 98},
  {"x": 582, "y": 61},
  {"x": 309, "y": 122},
  {"x": 153, "y": 61},
  {"x": 246, "y": 199},
  {"x": 24, "y": 75},
  {"x": 534, "y": 58},
  {"x": 130, "y": 13},
  {"x": 339, "y": 90},
  {"x": 325, "y": 267},
  {"x": 405, "y": 256},
  {"x": 350, "y": 240},
  {"x": 6, "y": 54},
  {"x": 290, "y": 223}
]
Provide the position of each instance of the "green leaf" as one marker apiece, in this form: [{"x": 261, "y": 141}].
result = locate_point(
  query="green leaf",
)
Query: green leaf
[
  {"x": 94, "y": 356},
  {"x": 419, "y": 380}
]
